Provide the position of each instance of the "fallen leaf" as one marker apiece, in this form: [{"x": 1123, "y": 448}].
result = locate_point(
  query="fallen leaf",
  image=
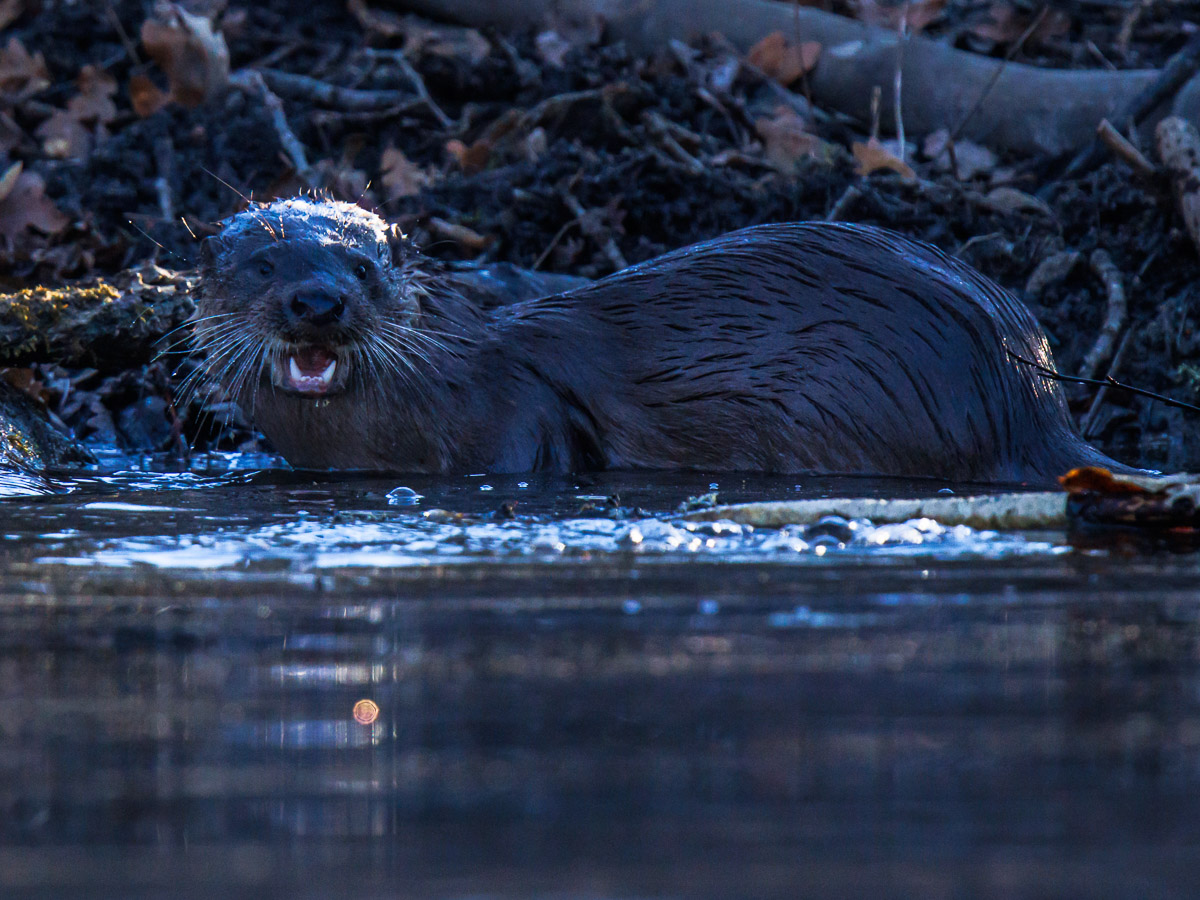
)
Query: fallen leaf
[
  {"x": 21, "y": 73},
  {"x": 782, "y": 60},
  {"x": 970, "y": 159},
  {"x": 872, "y": 156},
  {"x": 385, "y": 24},
  {"x": 401, "y": 177},
  {"x": 915, "y": 16},
  {"x": 189, "y": 50},
  {"x": 467, "y": 237},
  {"x": 64, "y": 137},
  {"x": 10, "y": 11},
  {"x": 9, "y": 179},
  {"x": 1011, "y": 200},
  {"x": 470, "y": 159},
  {"x": 786, "y": 140},
  {"x": 94, "y": 102},
  {"x": 27, "y": 206},
  {"x": 1095, "y": 478},
  {"x": 146, "y": 97}
]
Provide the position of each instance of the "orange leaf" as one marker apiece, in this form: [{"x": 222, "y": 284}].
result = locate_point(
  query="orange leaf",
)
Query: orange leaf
[
  {"x": 872, "y": 157},
  {"x": 782, "y": 60},
  {"x": 146, "y": 96},
  {"x": 472, "y": 158},
  {"x": 1097, "y": 480}
]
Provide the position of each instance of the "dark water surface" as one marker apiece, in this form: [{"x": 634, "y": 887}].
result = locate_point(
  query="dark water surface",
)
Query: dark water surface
[{"x": 568, "y": 705}]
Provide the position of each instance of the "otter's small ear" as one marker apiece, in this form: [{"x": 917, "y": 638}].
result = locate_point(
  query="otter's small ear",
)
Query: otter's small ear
[
  {"x": 402, "y": 249},
  {"x": 210, "y": 249}
]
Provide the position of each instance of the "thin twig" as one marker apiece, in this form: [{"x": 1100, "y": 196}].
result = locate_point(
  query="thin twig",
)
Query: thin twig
[
  {"x": 1114, "y": 318},
  {"x": 849, "y": 197},
  {"x": 999, "y": 70},
  {"x": 1097, "y": 382},
  {"x": 1178, "y": 70},
  {"x": 325, "y": 94},
  {"x": 607, "y": 244},
  {"x": 1124, "y": 149},
  {"x": 1093, "y": 412},
  {"x": 417, "y": 82},
  {"x": 254, "y": 82},
  {"x": 659, "y": 128}
]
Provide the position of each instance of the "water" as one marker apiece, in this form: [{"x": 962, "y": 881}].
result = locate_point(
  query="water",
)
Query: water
[{"x": 568, "y": 704}]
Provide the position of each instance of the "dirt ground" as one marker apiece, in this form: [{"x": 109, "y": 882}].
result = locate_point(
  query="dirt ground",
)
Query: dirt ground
[{"x": 564, "y": 152}]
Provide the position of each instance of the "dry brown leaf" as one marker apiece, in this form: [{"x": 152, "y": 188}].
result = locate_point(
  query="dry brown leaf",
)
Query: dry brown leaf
[
  {"x": 872, "y": 156},
  {"x": 64, "y": 137},
  {"x": 9, "y": 179},
  {"x": 1007, "y": 24},
  {"x": 782, "y": 60},
  {"x": 10, "y": 10},
  {"x": 146, "y": 97},
  {"x": 470, "y": 159},
  {"x": 916, "y": 16},
  {"x": 401, "y": 177},
  {"x": 186, "y": 47},
  {"x": 1011, "y": 200},
  {"x": 786, "y": 139},
  {"x": 20, "y": 72},
  {"x": 1095, "y": 478},
  {"x": 94, "y": 102},
  {"x": 27, "y": 206},
  {"x": 380, "y": 22}
]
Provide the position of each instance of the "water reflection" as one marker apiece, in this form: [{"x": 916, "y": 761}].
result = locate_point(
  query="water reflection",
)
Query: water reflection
[{"x": 595, "y": 721}]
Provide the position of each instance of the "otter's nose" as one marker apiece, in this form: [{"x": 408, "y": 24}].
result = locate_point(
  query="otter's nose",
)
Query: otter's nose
[{"x": 315, "y": 308}]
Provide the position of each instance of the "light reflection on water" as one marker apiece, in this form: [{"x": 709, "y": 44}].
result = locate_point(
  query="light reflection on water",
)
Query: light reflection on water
[{"x": 560, "y": 709}]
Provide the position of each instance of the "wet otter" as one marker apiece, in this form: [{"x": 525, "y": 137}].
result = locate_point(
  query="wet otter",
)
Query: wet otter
[{"x": 812, "y": 347}]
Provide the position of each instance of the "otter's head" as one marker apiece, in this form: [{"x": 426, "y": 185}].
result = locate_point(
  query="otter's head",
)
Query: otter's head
[{"x": 307, "y": 296}]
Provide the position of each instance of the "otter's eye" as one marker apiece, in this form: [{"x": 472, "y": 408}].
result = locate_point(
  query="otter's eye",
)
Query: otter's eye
[
  {"x": 360, "y": 271},
  {"x": 265, "y": 269}
]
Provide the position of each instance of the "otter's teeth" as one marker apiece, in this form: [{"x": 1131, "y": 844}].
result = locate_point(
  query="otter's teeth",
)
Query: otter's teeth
[{"x": 301, "y": 381}]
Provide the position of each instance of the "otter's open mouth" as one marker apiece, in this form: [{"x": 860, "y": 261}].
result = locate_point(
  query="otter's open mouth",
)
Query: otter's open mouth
[{"x": 310, "y": 371}]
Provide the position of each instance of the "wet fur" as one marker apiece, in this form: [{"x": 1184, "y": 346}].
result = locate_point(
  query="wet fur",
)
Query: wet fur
[{"x": 781, "y": 348}]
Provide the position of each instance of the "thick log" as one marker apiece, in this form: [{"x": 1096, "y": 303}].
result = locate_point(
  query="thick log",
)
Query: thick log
[
  {"x": 1027, "y": 110},
  {"x": 106, "y": 325}
]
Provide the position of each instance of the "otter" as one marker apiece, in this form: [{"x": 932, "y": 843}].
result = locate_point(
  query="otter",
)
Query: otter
[{"x": 801, "y": 348}]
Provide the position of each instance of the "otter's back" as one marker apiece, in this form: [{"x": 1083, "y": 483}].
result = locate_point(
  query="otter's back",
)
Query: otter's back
[{"x": 813, "y": 347}]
